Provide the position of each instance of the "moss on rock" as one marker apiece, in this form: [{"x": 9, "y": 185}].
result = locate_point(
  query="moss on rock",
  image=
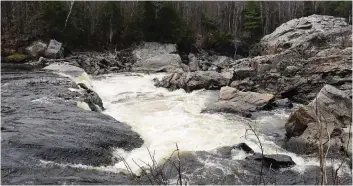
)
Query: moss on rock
[{"x": 16, "y": 57}]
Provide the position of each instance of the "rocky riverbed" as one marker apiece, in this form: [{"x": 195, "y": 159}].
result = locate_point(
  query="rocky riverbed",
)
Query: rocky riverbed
[{"x": 82, "y": 118}]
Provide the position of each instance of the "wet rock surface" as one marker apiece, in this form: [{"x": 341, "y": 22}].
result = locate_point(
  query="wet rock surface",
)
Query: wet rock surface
[
  {"x": 40, "y": 120},
  {"x": 196, "y": 168}
]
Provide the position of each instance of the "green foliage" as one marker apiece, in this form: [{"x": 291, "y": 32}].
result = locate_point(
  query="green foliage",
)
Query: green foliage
[
  {"x": 168, "y": 24},
  {"x": 207, "y": 24},
  {"x": 187, "y": 39},
  {"x": 55, "y": 13},
  {"x": 336, "y": 8},
  {"x": 252, "y": 22},
  {"x": 16, "y": 57},
  {"x": 217, "y": 38}
]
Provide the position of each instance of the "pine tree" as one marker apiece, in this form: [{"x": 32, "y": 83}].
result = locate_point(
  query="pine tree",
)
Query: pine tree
[
  {"x": 252, "y": 22},
  {"x": 168, "y": 24}
]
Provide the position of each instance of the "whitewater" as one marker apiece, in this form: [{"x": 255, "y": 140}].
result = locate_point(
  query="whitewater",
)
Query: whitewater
[{"x": 165, "y": 118}]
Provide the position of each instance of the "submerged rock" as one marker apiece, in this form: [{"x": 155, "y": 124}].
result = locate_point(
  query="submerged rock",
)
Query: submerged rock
[
  {"x": 273, "y": 161},
  {"x": 331, "y": 108},
  {"x": 208, "y": 167},
  {"x": 244, "y": 147}
]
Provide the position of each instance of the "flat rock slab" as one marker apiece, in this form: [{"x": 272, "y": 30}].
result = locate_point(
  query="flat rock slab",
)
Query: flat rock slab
[
  {"x": 233, "y": 100},
  {"x": 40, "y": 120}
]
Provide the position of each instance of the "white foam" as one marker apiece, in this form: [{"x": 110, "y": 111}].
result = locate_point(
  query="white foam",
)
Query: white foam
[{"x": 164, "y": 118}]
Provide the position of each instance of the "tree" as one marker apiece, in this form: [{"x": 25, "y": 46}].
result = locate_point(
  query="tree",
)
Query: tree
[
  {"x": 149, "y": 27},
  {"x": 252, "y": 22},
  {"x": 168, "y": 24}
]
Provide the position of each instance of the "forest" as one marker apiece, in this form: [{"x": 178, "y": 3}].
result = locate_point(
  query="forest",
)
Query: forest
[{"x": 100, "y": 25}]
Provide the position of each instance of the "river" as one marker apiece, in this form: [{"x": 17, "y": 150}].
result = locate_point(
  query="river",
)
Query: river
[{"x": 165, "y": 118}]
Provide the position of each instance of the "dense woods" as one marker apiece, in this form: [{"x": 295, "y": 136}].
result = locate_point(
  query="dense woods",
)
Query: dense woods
[{"x": 102, "y": 25}]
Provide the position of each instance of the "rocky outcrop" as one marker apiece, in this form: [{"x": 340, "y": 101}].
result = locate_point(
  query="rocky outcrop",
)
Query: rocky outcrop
[
  {"x": 331, "y": 110},
  {"x": 81, "y": 78},
  {"x": 233, "y": 100},
  {"x": 299, "y": 60},
  {"x": 190, "y": 81},
  {"x": 308, "y": 34},
  {"x": 54, "y": 50},
  {"x": 40, "y": 121},
  {"x": 36, "y": 49}
]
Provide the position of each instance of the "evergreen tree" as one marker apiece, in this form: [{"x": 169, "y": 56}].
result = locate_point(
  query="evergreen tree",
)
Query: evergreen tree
[
  {"x": 252, "y": 22},
  {"x": 168, "y": 24}
]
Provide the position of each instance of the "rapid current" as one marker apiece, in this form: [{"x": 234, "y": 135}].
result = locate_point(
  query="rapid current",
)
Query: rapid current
[{"x": 165, "y": 118}]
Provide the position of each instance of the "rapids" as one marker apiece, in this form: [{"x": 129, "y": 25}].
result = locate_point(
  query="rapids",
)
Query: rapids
[{"x": 165, "y": 118}]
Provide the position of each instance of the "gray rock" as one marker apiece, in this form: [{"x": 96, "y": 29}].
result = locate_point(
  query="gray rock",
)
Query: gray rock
[
  {"x": 290, "y": 70},
  {"x": 234, "y": 101},
  {"x": 273, "y": 161},
  {"x": 242, "y": 73},
  {"x": 283, "y": 103},
  {"x": 244, "y": 147},
  {"x": 160, "y": 63},
  {"x": 193, "y": 63},
  {"x": 150, "y": 49},
  {"x": 40, "y": 121},
  {"x": 36, "y": 49},
  {"x": 190, "y": 81},
  {"x": 54, "y": 50},
  {"x": 308, "y": 31},
  {"x": 208, "y": 167},
  {"x": 333, "y": 109}
]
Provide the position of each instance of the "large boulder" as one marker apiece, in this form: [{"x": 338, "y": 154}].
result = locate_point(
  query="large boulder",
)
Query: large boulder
[
  {"x": 54, "y": 50},
  {"x": 299, "y": 59},
  {"x": 308, "y": 32},
  {"x": 235, "y": 101},
  {"x": 150, "y": 49},
  {"x": 160, "y": 63},
  {"x": 190, "y": 81},
  {"x": 43, "y": 133},
  {"x": 331, "y": 111},
  {"x": 36, "y": 49},
  {"x": 155, "y": 57}
]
